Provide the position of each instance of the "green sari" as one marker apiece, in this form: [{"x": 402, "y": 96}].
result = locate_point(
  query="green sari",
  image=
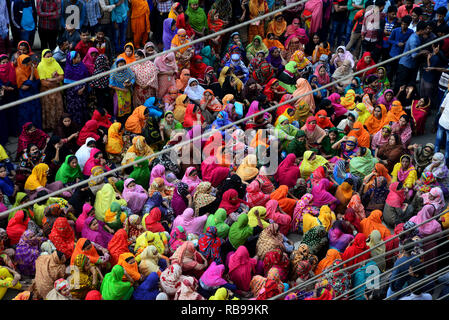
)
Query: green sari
[
  {"x": 240, "y": 231},
  {"x": 141, "y": 173},
  {"x": 285, "y": 132},
  {"x": 363, "y": 165},
  {"x": 326, "y": 144},
  {"x": 218, "y": 220},
  {"x": 297, "y": 147},
  {"x": 197, "y": 18},
  {"x": 66, "y": 173},
  {"x": 113, "y": 288}
]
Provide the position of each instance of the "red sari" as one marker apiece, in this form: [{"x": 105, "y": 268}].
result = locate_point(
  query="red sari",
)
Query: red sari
[{"x": 419, "y": 115}]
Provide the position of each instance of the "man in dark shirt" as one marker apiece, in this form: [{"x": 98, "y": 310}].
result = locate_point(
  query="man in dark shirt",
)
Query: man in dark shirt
[{"x": 339, "y": 23}]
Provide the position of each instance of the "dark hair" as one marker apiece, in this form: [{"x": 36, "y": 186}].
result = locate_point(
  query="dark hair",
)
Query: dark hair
[
  {"x": 421, "y": 26},
  {"x": 406, "y": 117},
  {"x": 60, "y": 254},
  {"x": 97, "y": 153},
  {"x": 91, "y": 141},
  {"x": 100, "y": 28},
  {"x": 407, "y": 247},
  {"x": 380, "y": 3},
  {"x": 362, "y": 150},
  {"x": 71, "y": 159},
  {"x": 128, "y": 259},
  {"x": 140, "y": 53},
  {"x": 417, "y": 10},
  {"x": 41, "y": 194},
  {"x": 351, "y": 115},
  {"x": 102, "y": 111},
  {"x": 441, "y": 10},
  {"x": 325, "y": 103},
  {"x": 400, "y": 185},
  {"x": 392, "y": 9},
  {"x": 30, "y": 146},
  {"x": 129, "y": 46},
  {"x": 350, "y": 181},
  {"x": 26, "y": 60},
  {"x": 85, "y": 30},
  {"x": 86, "y": 244},
  {"x": 397, "y": 138},
  {"x": 407, "y": 20},
  {"x": 92, "y": 221}
]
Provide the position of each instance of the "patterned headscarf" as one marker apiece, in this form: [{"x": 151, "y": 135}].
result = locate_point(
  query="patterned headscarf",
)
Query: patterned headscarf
[
  {"x": 202, "y": 196},
  {"x": 209, "y": 245}
]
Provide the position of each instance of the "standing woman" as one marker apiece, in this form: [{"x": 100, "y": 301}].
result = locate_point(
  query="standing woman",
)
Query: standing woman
[
  {"x": 167, "y": 68},
  {"x": 76, "y": 97},
  {"x": 51, "y": 75},
  {"x": 9, "y": 85},
  {"x": 257, "y": 8},
  {"x": 140, "y": 22},
  {"x": 146, "y": 84},
  {"x": 197, "y": 18},
  {"x": 122, "y": 81},
  {"x": 169, "y": 32},
  {"x": 101, "y": 85},
  {"x": 28, "y": 83}
]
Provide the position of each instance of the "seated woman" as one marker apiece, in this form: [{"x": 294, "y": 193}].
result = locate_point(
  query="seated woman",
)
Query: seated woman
[
  {"x": 405, "y": 172},
  {"x": 241, "y": 268},
  {"x": 114, "y": 288},
  {"x": 391, "y": 153},
  {"x": 322, "y": 196},
  {"x": 275, "y": 213},
  {"x": 31, "y": 135},
  {"x": 270, "y": 239},
  {"x": 403, "y": 129},
  {"x": 27, "y": 252},
  {"x": 49, "y": 268},
  {"x": 191, "y": 261},
  {"x": 151, "y": 261},
  {"x": 139, "y": 149},
  {"x": 96, "y": 159},
  {"x": 281, "y": 196},
  {"x": 135, "y": 195},
  {"x": 340, "y": 235},
  {"x": 30, "y": 158},
  {"x": 114, "y": 146},
  {"x": 314, "y": 133},
  {"x": 69, "y": 172},
  {"x": 363, "y": 164},
  {"x": 37, "y": 181},
  {"x": 310, "y": 163},
  {"x": 97, "y": 232},
  {"x": 84, "y": 277},
  {"x": 90, "y": 130},
  {"x": 326, "y": 218}
]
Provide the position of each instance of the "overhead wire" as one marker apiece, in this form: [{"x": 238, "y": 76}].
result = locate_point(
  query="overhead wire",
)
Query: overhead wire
[{"x": 213, "y": 131}]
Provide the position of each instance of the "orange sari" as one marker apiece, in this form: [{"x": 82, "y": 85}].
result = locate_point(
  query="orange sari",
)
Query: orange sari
[{"x": 286, "y": 204}]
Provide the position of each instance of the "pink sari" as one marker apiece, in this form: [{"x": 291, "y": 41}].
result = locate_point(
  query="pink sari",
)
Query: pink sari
[
  {"x": 316, "y": 7},
  {"x": 213, "y": 172},
  {"x": 283, "y": 220},
  {"x": 241, "y": 268}
]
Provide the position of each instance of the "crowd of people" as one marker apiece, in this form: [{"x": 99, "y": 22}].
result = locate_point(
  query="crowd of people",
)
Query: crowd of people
[{"x": 346, "y": 174}]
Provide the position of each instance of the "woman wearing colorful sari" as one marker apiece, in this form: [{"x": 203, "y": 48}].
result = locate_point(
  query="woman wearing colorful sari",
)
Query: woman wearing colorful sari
[
  {"x": 255, "y": 47},
  {"x": 322, "y": 196},
  {"x": 363, "y": 164},
  {"x": 215, "y": 24},
  {"x": 197, "y": 18},
  {"x": 49, "y": 268},
  {"x": 27, "y": 252},
  {"x": 403, "y": 129},
  {"x": 76, "y": 97},
  {"x": 51, "y": 76},
  {"x": 314, "y": 133},
  {"x": 167, "y": 68},
  {"x": 310, "y": 163},
  {"x": 70, "y": 171},
  {"x": 257, "y": 8},
  {"x": 363, "y": 137},
  {"x": 404, "y": 172},
  {"x": 146, "y": 75},
  {"x": 285, "y": 131},
  {"x": 114, "y": 288},
  {"x": 37, "y": 181},
  {"x": 28, "y": 84},
  {"x": 122, "y": 82},
  {"x": 288, "y": 172},
  {"x": 374, "y": 122},
  {"x": 340, "y": 235},
  {"x": 134, "y": 195}
]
